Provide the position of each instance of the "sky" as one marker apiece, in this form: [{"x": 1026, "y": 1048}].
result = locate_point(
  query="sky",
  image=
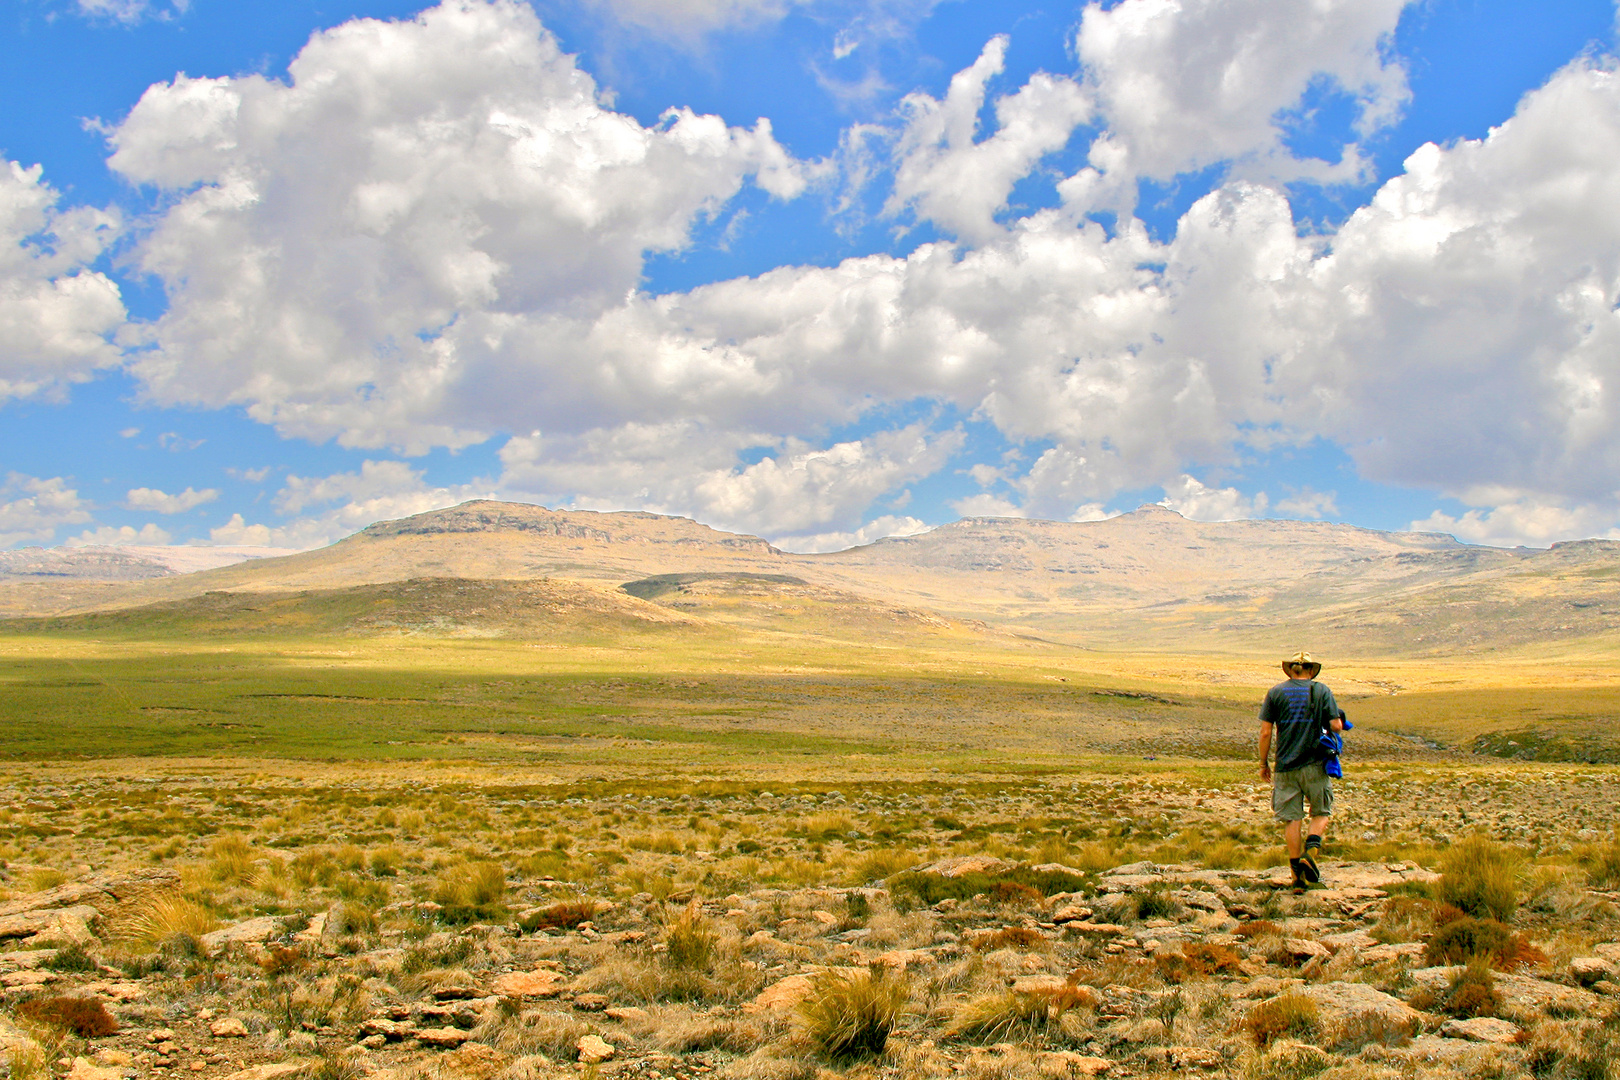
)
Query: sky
[{"x": 821, "y": 271}]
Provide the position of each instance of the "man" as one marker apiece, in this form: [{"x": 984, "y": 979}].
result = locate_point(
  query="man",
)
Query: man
[{"x": 1294, "y": 711}]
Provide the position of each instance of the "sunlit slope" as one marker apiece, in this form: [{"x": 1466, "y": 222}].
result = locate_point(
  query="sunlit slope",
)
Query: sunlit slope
[{"x": 1148, "y": 579}]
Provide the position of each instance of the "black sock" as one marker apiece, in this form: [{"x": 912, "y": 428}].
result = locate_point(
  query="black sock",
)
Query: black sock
[{"x": 1313, "y": 841}]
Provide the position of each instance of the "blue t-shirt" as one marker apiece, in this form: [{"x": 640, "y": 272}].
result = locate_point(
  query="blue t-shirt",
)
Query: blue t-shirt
[{"x": 1297, "y": 728}]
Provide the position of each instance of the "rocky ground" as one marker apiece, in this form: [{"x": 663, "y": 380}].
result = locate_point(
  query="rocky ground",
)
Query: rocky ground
[{"x": 1142, "y": 969}]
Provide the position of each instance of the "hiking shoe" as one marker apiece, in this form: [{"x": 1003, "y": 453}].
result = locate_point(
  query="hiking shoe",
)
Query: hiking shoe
[
  {"x": 1308, "y": 868},
  {"x": 1298, "y": 867}
]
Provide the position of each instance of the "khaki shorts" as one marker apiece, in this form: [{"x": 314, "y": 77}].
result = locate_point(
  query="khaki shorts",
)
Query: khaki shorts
[{"x": 1290, "y": 790}]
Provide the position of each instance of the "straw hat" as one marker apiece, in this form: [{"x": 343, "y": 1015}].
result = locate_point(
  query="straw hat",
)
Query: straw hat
[{"x": 1304, "y": 658}]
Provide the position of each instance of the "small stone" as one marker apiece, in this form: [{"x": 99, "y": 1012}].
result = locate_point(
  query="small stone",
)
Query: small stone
[
  {"x": 373, "y": 1042},
  {"x": 593, "y": 1050},
  {"x": 1487, "y": 1029},
  {"x": 228, "y": 1028},
  {"x": 628, "y": 1014},
  {"x": 198, "y": 1066}
]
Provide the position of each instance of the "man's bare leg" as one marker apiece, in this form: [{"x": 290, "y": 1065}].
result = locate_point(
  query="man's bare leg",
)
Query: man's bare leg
[{"x": 1294, "y": 839}]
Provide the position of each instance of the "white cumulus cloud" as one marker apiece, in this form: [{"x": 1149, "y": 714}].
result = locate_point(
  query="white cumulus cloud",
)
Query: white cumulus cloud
[
  {"x": 682, "y": 469},
  {"x": 873, "y": 531},
  {"x": 160, "y": 502},
  {"x": 121, "y": 536},
  {"x": 947, "y": 176},
  {"x": 33, "y": 509},
  {"x": 56, "y": 315},
  {"x": 409, "y": 229},
  {"x": 1183, "y": 84},
  {"x": 1192, "y": 499}
]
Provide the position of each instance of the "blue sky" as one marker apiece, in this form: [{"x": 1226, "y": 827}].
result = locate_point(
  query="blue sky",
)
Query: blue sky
[{"x": 819, "y": 270}]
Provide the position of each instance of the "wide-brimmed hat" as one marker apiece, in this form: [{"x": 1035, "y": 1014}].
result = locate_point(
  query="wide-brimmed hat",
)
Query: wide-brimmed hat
[{"x": 1302, "y": 657}]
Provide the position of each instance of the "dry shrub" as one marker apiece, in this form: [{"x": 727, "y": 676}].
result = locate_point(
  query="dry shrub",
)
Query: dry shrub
[
  {"x": 72, "y": 958},
  {"x": 1291, "y": 1015},
  {"x": 1013, "y": 937},
  {"x": 279, "y": 961},
  {"x": 1198, "y": 960},
  {"x": 1155, "y": 904},
  {"x": 849, "y": 1016},
  {"x": 1587, "y": 1050},
  {"x": 471, "y": 892},
  {"x": 1462, "y": 940},
  {"x": 1015, "y": 893},
  {"x": 85, "y": 1017},
  {"x": 1258, "y": 928},
  {"x": 881, "y": 863},
  {"x": 1480, "y": 876},
  {"x": 1471, "y": 992},
  {"x": 563, "y": 915},
  {"x": 162, "y": 917}
]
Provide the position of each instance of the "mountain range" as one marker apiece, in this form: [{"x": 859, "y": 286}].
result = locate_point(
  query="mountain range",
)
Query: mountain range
[{"x": 1149, "y": 578}]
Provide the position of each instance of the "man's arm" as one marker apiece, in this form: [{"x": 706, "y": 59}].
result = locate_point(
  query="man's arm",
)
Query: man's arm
[{"x": 1265, "y": 750}]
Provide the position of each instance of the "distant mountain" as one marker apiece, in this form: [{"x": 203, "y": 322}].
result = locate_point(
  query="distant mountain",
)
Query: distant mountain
[
  {"x": 132, "y": 563},
  {"x": 1150, "y": 578}
]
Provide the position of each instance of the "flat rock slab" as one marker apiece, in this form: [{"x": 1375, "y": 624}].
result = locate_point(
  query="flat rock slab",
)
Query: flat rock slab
[
  {"x": 593, "y": 1050},
  {"x": 968, "y": 864},
  {"x": 1339, "y": 1001},
  {"x": 1067, "y": 1063},
  {"x": 272, "y": 1071},
  {"x": 1523, "y": 993},
  {"x": 531, "y": 984},
  {"x": 1587, "y": 970},
  {"x": 70, "y": 924},
  {"x": 1403, "y": 950},
  {"x": 85, "y": 1069},
  {"x": 102, "y": 892},
  {"x": 1486, "y": 1029},
  {"x": 443, "y": 1038},
  {"x": 249, "y": 932}
]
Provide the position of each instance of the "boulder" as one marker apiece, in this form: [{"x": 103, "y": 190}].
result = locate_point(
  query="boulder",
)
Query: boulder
[
  {"x": 1201, "y": 900},
  {"x": 1069, "y": 913},
  {"x": 472, "y": 1061},
  {"x": 593, "y": 1050},
  {"x": 1609, "y": 950},
  {"x": 228, "y": 1028},
  {"x": 1403, "y": 950},
  {"x": 1357, "y": 941},
  {"x": 1486, "y": 1029}
]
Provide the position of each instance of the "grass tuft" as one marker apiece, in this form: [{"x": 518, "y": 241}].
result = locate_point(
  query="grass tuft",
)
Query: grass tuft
[
  {"x": 163, "y": 916},
  {"x": 850, "y": 1016},
  {"x": 1292, "y": 1015},
  {"x": 563, "y": 915},
  {"x": 471, "y": 892},
  {"x": 1480, "y": 876}
]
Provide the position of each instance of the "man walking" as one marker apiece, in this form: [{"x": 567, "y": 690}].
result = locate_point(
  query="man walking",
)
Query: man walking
[{"x": 1296, "y": 711}]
